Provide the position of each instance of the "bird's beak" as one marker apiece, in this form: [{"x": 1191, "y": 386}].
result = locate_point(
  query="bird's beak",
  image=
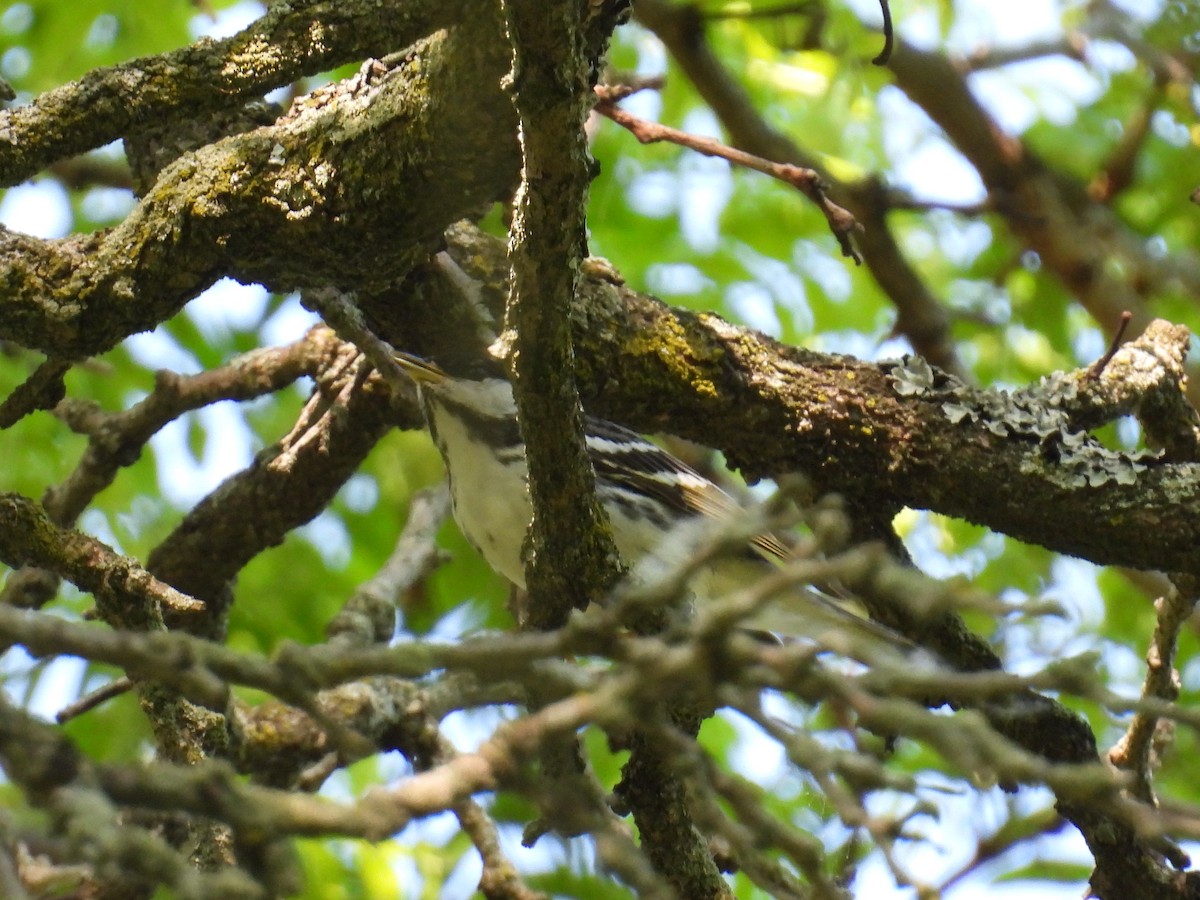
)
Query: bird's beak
[{"x": 422, "y": 371}]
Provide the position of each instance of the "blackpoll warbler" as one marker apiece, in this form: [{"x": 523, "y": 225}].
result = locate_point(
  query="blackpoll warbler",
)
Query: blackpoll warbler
[{"x": 646, "y": 492}]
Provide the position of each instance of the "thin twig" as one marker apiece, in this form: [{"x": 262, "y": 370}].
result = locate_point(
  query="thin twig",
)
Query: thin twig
[
  {"x": 630, "y": 85},
  {"x": 741, "y": 13},
  {"x": 341, "y": 313},
  {"x": 1135, "y": 750},
  {"x": 1099, "y": 365},
  {"x": 115, "y": 440},
  {"x": 1119, "y": 170},
  {"x": 41, "y": 390},
  {"x": 1014, "y": 832},
  {"x": 499, "y": 877},
  {"x": 88, "y": 702},
  {"x": 889, "y": 37},
  {"x": 369, "y": 615},
  {"x": 1072, "y": 45},
  {"x": 807, "y": 181},
  {"x": 905, "y": 201}
]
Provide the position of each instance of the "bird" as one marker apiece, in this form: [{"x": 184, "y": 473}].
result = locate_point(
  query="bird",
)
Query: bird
[{"x": 646, "y": 492}]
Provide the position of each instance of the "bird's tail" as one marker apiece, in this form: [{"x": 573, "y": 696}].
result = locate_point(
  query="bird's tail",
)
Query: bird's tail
[
  {"x": 777, "y": 602},
  {"x": 761, "y": 595}
]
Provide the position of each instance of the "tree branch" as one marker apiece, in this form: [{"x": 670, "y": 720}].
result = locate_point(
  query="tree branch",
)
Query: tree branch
[
  {"x": 920, "y": 315},
  {"x": 844, "y": 423},
  {"x": 571, "y": 556},
  {"x": 304, "y": 37},
  {"x": 806, "y": 181},
  {"x": 219, "y": 210},
  {"x": 1077, "y": 238}
]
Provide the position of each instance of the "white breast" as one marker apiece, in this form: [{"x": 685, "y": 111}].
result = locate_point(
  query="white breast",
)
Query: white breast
[{"x": 490, "y": 500}]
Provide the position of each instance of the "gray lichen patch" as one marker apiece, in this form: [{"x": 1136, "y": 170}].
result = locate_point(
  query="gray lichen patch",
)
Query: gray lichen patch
[{"x": 1068, "y": 456}]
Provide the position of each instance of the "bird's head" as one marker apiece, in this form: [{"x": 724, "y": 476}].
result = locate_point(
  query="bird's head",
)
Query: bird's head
[{"x": 481, "y": 389}]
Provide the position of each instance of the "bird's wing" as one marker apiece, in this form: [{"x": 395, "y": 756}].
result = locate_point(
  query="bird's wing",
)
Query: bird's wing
[{"x": 625, "y": 457}]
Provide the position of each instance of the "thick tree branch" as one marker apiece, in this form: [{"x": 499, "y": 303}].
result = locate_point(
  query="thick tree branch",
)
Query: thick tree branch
[
  {"x": 291, "y": 40},
  {"x": 775, "y": 409},
  {"x": 572, "y": 559},
  {"x": 126, "y": 592},
  {"x": 351, "y": 189}
]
